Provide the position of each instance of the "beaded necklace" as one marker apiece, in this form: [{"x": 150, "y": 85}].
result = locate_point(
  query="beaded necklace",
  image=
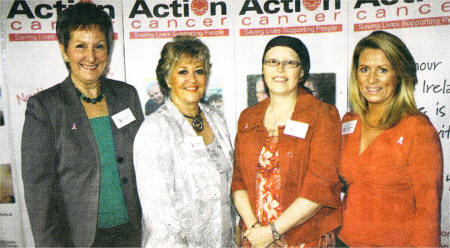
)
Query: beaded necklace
[{"x": 88, "y": 99}]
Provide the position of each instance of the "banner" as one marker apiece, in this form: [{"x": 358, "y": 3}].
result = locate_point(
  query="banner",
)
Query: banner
[
  {"x": 148, "y": 25},
  {"x": 319, "y": 24},
  {"x": 10, "y": 221}
]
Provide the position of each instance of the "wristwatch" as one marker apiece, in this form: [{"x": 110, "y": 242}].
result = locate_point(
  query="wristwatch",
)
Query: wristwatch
[{"x": 275, "y": 234}]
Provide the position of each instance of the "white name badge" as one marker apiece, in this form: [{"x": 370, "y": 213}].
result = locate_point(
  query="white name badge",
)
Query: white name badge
[
  {"x": 348, "y": 127},
  {"x": 123, "y": 118},
  {"x": 296, "y": 128},
  {"x": 194, "y": 143}
]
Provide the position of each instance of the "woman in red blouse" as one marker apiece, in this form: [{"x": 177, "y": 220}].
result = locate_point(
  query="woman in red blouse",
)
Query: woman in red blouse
[
  {"x": 285, "y": 183},
  {"x": 391, "y": 156}
]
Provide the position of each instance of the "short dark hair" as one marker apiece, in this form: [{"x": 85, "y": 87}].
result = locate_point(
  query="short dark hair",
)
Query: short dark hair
[
  {"x": 296, "y": 45},
  {"x": 173, "y": 51},
  {"x": 82, "y": 15}
]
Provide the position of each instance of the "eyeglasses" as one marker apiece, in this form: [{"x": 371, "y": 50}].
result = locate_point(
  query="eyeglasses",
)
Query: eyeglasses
[{"x": 286, "y": 63}]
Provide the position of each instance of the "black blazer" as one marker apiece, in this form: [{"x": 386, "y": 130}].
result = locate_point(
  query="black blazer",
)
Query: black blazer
[{"x": 61, "y": 163}]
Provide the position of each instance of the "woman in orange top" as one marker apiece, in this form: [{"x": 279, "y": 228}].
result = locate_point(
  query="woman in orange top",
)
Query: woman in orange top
[
  {"x": 285, "y": 183},
  {"x": 391, "y": 157}
]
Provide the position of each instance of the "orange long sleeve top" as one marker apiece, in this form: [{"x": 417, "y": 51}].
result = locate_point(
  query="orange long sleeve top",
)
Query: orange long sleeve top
[
  {"x": 308, "y": 166},
  {"x": 394, "y": 186}
]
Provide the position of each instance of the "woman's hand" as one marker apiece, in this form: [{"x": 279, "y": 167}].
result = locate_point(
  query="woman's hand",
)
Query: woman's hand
[{"x": 259, "y": 236}]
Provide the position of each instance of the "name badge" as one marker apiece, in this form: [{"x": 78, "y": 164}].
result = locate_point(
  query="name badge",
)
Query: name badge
[
  {"x": 123, "y": 118},
  {"x": 348, "y": 127},
  {"x": 194, "y": 143},
  {"x": 296, "y": 128}
]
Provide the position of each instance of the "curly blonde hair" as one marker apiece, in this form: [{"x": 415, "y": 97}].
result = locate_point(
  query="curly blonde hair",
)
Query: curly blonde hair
[{"x": 173, "y": 51}]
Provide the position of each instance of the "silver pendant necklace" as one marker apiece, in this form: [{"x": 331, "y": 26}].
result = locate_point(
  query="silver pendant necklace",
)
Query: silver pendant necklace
[{"x": 197, "y": 121}]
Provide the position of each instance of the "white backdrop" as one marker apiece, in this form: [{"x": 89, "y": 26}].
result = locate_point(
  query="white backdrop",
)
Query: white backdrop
[{"x": 236, "y": 33}]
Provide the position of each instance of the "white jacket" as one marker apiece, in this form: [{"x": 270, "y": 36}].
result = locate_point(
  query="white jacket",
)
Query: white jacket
[{"x": 178, "y": 185}]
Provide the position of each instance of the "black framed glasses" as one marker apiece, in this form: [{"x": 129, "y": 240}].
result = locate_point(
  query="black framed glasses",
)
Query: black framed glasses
[{"x": 286, "y": 63}]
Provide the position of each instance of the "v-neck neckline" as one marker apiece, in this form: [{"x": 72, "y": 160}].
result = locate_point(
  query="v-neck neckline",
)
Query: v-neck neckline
[{"x": 359, "y": 137}]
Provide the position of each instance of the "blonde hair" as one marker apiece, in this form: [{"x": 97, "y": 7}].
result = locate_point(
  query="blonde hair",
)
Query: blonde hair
[{"x": 404, "y": 66}]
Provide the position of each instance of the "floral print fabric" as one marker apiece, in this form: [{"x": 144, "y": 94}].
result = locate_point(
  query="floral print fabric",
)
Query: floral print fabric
[{"x": 268, "y": 182}]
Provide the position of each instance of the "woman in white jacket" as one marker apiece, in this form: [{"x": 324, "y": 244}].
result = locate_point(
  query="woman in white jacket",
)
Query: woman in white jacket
[{"x": 183, "y": 156}]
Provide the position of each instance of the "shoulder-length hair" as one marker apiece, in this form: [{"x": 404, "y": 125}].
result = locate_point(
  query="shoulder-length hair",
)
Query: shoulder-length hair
[
  {"x": 173, "y": 51},
  {"x": 404, "y": 66}
]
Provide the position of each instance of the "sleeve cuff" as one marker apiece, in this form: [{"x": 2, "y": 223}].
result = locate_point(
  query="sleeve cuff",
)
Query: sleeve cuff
[
  {"x": 237, "y": 185},
  {"x": 317, "y": 190}
]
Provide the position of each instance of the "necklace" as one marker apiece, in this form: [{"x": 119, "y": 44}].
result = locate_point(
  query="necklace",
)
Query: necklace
[
  {"x": 88, "y": 99},
  {"x": 197, "y": 121}
]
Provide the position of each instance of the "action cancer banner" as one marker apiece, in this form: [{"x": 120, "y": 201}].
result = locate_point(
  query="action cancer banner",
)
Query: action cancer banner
[
  {"x": 33, "y": 62},
  {"x": 424, "y": 27},
  {"x": 319, "y": 24},
  {"x": 148, "y": 25}
]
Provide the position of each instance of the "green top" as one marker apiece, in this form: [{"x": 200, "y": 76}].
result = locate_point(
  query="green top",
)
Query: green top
[{"x": 112, "y": 210}]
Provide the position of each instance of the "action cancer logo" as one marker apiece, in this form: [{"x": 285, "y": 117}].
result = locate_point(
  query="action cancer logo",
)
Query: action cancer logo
[
  {"x": 200, "y": 7},
  {"x": 178, "y": 8},
  {"x": 311, "y": 4},
  {"x": 177, "y": 16}
]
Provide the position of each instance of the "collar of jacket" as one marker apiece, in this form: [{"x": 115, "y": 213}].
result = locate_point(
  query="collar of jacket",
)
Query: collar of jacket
[
  {"x": 181, "y": 120},
  {"x": 179, "y": 116},
  {"x": 219, "y": 129}
]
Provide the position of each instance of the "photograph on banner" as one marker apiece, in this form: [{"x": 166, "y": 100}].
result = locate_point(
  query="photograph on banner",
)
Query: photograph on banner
[
  {"x": 6, "y": 184},
  {"x": 321, "y": 85},
  {"x": 214, "y": 97},
  {"x": 155, "y": 96}
]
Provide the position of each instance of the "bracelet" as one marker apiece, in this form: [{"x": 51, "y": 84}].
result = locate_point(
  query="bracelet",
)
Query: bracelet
[
  {"x": 254, "y": 224},
  {"x": 275, "y": 234}
]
